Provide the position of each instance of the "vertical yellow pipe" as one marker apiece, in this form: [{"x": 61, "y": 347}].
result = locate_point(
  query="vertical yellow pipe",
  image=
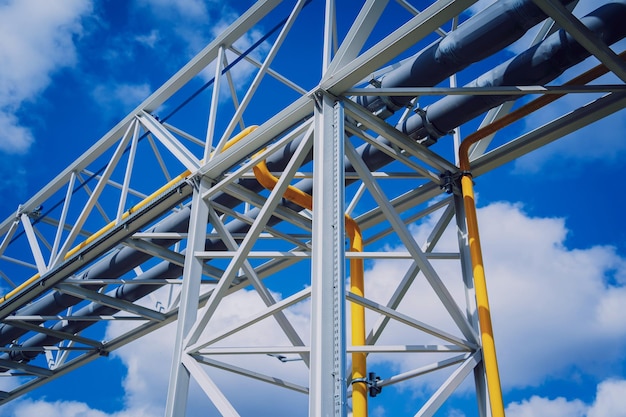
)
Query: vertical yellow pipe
[
  {"x": 484, "y": 315},
  {"x": 359, "y": 359},
  {"x": 467, "y": 188}
]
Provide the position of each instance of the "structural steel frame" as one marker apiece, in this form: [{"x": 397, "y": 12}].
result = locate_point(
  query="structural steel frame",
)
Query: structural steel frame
[{"x": 321, "y": 129}]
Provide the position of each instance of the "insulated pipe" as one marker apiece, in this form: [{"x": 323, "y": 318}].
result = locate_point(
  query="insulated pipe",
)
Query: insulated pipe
[
  {"x": 536, "y": 66},
  {"x": 374, "y": 158},
  {"x": 491, "y": 30},
  {"x": 357, "y": 286},
  {"x": 508, "y": 19}
]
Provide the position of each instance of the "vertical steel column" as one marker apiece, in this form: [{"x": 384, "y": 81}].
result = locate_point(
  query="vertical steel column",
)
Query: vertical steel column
[
  {"x": 177, "y": 392},
  {"x": 328, "y": 346},
  {"x": 470, "y": 299}
]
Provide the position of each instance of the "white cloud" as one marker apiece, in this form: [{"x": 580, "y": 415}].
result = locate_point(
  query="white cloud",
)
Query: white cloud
[
  {"x": 36, "y": 39},
  {"x": 610, "y": 401},
  {"x": 539, "y": 406},
  {"x": 148, "y": 362},
  {"x": 118, "y": 99},
  {"x": 29, "y": 408},
  {"x": 547, "y": 300}
]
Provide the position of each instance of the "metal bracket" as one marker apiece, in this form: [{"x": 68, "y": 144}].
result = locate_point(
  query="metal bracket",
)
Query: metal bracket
[
  {"x": 450, "y": 182},
  {"x": 372, "y": 381}
]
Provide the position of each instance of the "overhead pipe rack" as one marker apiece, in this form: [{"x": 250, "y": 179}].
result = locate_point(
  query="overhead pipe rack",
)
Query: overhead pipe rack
[{"x": 47, "y": 312}]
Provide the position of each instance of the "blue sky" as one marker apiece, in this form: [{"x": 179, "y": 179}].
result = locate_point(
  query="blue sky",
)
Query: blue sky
[{"x": 552, "y": 226}]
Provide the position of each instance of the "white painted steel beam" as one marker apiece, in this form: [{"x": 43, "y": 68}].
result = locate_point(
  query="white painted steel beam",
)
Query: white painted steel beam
[{"x": 328, "y": 324}]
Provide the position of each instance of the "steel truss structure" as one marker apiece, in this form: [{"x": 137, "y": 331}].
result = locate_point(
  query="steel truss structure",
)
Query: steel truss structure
[{"x": 105, "y": 242}]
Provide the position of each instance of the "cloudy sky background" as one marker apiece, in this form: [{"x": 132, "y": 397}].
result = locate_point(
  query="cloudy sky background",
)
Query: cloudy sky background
[{"x": 555, "y": 259}]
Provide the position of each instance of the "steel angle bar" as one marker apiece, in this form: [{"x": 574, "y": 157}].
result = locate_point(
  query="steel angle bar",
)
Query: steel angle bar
[
  {"x": 180, "y": 151},
  {"x": 160, "y": 235},
  {"x": 401, "y": 39},
  {"x": 33, "y": 243},
  {"x": 11, "y": 319},
  {"x": 286, "y": 214},
  {"x": 158, "y": 157},
  {"x": 246, "y": 167},
  {"x": 270, "y": 311},
  {"x": 18, "y": 262},
  {"x": 93, "y": 198},
  {"x": 358, "y": 34},
  {"x": 129, "y": 169},
  {"x": 209, "y": 387},
  {"x": 233, "y": 91},
  {"x": 420, "y": 195},
  {"x": 410, "y": 321},
  {"x": 245, "y": 246},
  {"x": 29, "y": 369},
  {"x": 106, "y": 300},
  {"x": 584, "y": 36},
  {"x": 114, "y": 184},
  {"x": 393, "y": 152},
  {"x": 419, "y": 215},
  {"x": 65, "y": 226},
  {"x": 492, "y": 115},
  {"x": 227, "y": 37},
  {"x": 168, "y": 255},
  {"x": 43, "y": 379},
  {"x": 56, "y": 333},
  {"x": 9, "y": 235},
  {"x": 250, "y": 374},
  {"x": 276, "y": 75},
  {"x": 405, "y": 236},
  {"x": 415, "y": 12},
  {"x": 397, "y": 138},
  {"x": 254, "y": 350},
  {"x": 488, "y": 91},
  {"x": 271, "y": 232},
  {"x": 423, "y": 370},
  {"x": 213, "y": 107},
  {"x": 449, "y": 386},
  {"x": 406, "y": 349},
  {"x": 183, "y": 134},
  {"x": 265, "y": 295},
  {"x": 568, "y": 123},
  {"x": 84, "y": 185},
  {"x": 62, "y": 219},
  {"x": 379, "y": 255},
  {"x": 7, "y": 279},
  {"x": 261, "y": 73},
  {"x": 44, "y": 349},
  {"x": 295, "y": 113}
]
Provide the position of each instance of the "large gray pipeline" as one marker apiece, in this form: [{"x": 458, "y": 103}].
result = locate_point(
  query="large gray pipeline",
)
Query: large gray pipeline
[
  {"x": 536, "y": 66},
  {"x": 604, "y": 19}
]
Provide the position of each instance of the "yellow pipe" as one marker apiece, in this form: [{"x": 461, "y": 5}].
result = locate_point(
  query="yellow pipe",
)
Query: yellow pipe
[
  {"x": 484, "y": 316},
  {"x": 467, "y": 188},
  {"x": 125, "y": 215},
  {"x": 359, "y": 359}
]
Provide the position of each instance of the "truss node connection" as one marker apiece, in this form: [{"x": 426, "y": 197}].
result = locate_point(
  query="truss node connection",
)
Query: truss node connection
[{"x": 353, "y": 143}]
